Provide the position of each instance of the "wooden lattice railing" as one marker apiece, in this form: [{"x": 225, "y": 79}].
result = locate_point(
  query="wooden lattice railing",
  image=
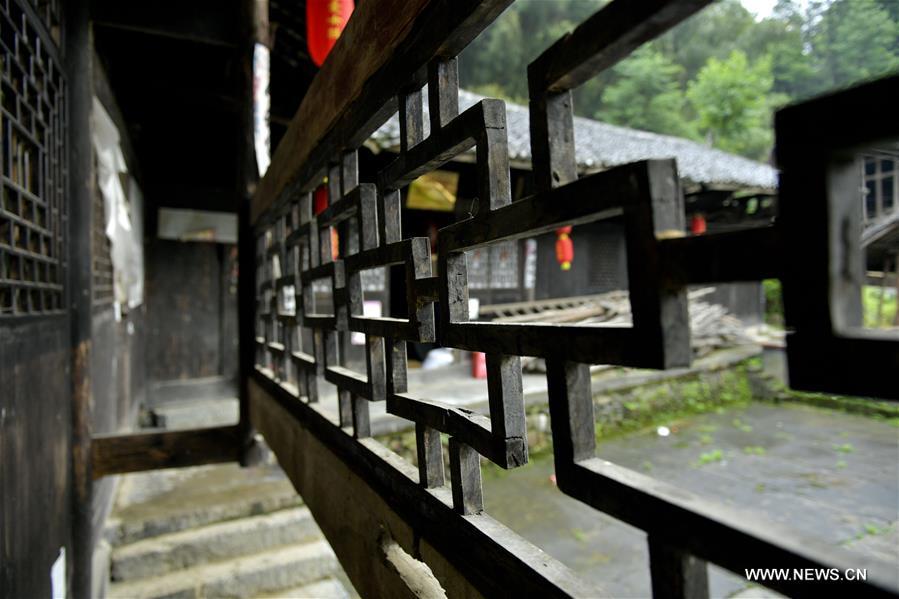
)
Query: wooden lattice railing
[{"x": 389, "y": 50}]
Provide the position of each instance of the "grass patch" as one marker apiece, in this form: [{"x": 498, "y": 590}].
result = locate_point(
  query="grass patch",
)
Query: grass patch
[
  {"x": 673, "y": 401},
  {"x": 710, "y": 457},
  {"x": 774, "y": 304},
  {"x": 871, "y": 300},
  {"x": 871, "y": 529},
  {"x": 741, "y": 426},
  {"x": 879, "y": 409}
]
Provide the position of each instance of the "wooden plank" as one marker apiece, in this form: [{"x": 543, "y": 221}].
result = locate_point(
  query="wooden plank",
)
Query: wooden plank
[
  {"x": 118, "y": 454},
  {"x": 200, "y": 21},
  {"x": 675, "y": 573},
  {"x": 430, "y": 457},
  {"x": 610, "y": 35},
  {"x": 748, "y": 255},
  {"x": 385, "y": 47},
  {"x": 491, "y": 558},
  {"x": 465, "y": 472}
]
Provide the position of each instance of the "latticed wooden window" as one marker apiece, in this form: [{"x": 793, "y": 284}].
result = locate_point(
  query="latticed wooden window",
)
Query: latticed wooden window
[
  {"x": 358, "y": 89},
  {"x": 101, "y": 258},
  {"x": 32, "y": 162},
  {"x": 881, "y": 189}
]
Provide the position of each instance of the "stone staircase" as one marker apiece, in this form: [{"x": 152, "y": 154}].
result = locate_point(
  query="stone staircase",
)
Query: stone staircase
[{"x": 217, "y": 531}]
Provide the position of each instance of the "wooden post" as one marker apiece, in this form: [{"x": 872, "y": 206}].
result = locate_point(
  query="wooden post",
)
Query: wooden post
[
  {"x": 675, "y": 573},
  {"x": 896, "y": 270},
  {"x": 79, "y": 64},
  {"x": 248, "y": 177},
  {"x": 883, "y": 288}
]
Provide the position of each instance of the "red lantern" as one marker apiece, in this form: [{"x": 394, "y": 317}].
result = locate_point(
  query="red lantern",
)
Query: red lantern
[
  {"x": 320, "y": 199},
  {"x": 564, "y": 248},
  {"x": 325, "y": 20},
  {"x": 698, "y": 224},
  {"x": 335, "y": 244}
]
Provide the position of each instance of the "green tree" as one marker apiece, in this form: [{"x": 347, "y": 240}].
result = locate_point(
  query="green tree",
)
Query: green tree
[
  {"x": 781, "y": 36},
  {"x": 716, "y": 31},
  {"x": 497, "y": 60},
  {"x": 647, "y": 95},
  {"x": 803, "y": 48},
  {"x": 732, "y": 100},
  {"x": 852, "y": 40}
]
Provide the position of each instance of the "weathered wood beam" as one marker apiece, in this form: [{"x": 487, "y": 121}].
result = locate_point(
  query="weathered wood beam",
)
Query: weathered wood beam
[
  {"x": 355, "y": 489},
  {"x": 747, "y": 255},
  {"x": 610, "y": 35},
  {"x": 118, "y": 454},
  {"x": 204, "y": 22},
  {"x": 385, "y": 47},
  {"x": 81, "y": 179}
]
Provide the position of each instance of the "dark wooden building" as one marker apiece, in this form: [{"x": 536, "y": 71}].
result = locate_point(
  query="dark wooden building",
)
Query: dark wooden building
[{"x": 728, "y": 191}]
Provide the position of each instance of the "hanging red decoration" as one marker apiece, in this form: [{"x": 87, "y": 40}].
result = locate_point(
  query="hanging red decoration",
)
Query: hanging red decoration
[
  {"x": 698, "y": 224},
  {"x": 320, "y": 199},
  {"x": 564, "y": 247},
  {"x": 335, "y": 244},
  {"x": 319, "y": 203},
  {"x": 325, "y": 20}
]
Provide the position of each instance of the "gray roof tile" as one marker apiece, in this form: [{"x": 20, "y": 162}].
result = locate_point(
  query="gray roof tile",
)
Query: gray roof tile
[{"x": 600, "y": 146}]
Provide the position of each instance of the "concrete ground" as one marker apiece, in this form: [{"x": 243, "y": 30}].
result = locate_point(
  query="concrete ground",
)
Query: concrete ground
[{"x": 829, "y": 474}]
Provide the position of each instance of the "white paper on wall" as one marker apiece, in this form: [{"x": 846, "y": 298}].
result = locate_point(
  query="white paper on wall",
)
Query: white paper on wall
[
  {"x": 126, "y": 242},
  {"x": 58, "y": 575},
  {"x": 261, "y": 107}
]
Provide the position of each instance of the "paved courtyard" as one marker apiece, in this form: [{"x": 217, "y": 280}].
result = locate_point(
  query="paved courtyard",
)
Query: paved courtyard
[{"x": 829, "y": 474}]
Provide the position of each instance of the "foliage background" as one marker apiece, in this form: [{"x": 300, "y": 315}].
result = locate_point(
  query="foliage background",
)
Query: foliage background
[{"x": 715, "y": 78}]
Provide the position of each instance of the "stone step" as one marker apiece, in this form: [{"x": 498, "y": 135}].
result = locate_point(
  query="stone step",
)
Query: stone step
[
  {"x": 197, "y": 413},
  {"x": 329, "y": 588},
  {"x": 151, "y": 504},
  {"x": 250, "y": 576},
  {"x": 160, "y": 555}
]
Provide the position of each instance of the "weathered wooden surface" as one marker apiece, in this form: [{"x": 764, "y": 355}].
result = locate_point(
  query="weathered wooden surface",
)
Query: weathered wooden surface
[
  {"x": 821, "y": 232},
  {"x": 645, "y": 198},
  {"x": 35, "y": 454},
  {"x": 380, "y": 46},
  {"x": 358, "y": 489},
  {"x": 118, "y": 453},
  {"x": 81, "y": 192}
]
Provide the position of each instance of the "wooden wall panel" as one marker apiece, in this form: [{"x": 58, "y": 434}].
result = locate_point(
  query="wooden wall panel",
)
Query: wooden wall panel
[
  {"x": 35, "y": 459},
  {"x": 183, "y": 295}
]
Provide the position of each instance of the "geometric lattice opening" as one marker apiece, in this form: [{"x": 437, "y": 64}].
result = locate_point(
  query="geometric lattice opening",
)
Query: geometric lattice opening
[{"x": 32, "y": 163}]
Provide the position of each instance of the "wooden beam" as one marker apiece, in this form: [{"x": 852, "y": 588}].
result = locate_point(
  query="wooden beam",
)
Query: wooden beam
[
  {"x": 205, "y": 22},
  {"x": 355, "y": 488},
  {"x": 607, "y": 37},
  {"x": 743, "y": 255},
  {"x": 385, "y": 47},
  {"x": 118, "y": 454}
]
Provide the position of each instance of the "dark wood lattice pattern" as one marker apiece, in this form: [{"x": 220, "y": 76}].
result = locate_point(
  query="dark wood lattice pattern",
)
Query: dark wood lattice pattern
[
  {"x": 32, "y": 202},
  {"x": 101, "y": 256},
  {"x": 299, "y": 341}
]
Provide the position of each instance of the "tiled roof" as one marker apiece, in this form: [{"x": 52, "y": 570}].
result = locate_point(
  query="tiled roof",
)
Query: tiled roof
[{"x": 600, "y": 146}]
